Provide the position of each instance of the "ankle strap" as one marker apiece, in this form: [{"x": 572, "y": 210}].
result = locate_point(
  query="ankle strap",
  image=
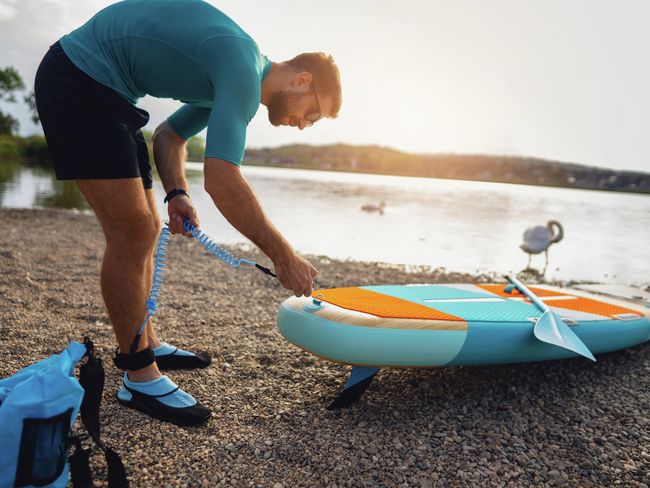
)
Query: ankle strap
[{"x": 134, "y": 360}]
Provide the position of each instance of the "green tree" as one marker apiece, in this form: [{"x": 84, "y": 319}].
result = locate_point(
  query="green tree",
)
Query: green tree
[
  {"x": 8, "y": 124},
  {"x": 10, "y": 82},
  {"x": 195, "y": 149},
  {"x": 30, "y": 100}
]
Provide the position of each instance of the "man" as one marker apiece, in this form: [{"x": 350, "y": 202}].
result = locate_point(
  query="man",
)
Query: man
[{"x": 86, "y": 89}]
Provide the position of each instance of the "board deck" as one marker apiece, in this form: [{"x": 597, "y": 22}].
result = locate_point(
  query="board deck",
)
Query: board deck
[
  {"x": 432, "y": 325},
  {"x": 473, "y": 302}
]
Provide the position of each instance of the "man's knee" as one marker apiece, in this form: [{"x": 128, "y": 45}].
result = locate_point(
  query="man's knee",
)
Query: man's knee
[{"x": 139, "y": 235}]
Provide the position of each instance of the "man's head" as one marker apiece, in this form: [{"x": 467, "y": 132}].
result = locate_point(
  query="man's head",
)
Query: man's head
[{"x": 310, "y": 90}]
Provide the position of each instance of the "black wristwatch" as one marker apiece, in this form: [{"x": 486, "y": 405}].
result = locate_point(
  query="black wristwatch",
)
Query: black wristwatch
[{"x": 175, "y": 192}]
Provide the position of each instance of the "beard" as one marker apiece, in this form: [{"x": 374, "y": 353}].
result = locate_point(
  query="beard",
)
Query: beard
[{"x": 278, "y": 106}]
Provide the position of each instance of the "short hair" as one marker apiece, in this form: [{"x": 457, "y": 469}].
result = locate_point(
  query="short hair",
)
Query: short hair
[{"x": 324, "y": 72}]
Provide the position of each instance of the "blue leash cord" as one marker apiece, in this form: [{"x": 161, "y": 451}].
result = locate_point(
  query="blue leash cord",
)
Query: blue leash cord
[
  {"x": 160, "y": 260},
  {"x": 220, "y": 252}
]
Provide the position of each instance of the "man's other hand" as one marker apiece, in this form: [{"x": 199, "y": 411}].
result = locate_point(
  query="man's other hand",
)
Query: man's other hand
[
  {"x": 180, "y": 208},
  {"x": 296, "y": 274}
]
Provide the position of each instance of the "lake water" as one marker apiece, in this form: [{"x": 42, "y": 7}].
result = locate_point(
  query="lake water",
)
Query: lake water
[{"x": 459, "y": 225}]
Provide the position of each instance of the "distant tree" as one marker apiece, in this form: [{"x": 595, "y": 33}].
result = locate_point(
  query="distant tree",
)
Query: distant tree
[
  {"x": 195, "y": 148},
  {"x": 10, "y": 82},
  {"x": 8, "y": 124},
  {"x": 30, "y": 100}
]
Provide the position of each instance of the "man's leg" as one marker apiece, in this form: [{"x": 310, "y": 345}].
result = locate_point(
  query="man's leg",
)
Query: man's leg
[
  {"x": 131, "y": 227},
  {"x": 131, "y": 230}
]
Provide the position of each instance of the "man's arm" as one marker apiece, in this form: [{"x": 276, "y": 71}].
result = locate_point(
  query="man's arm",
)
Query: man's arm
[
  {"x": 236, "y": 201},
  {"x": 169, "y": 157}
]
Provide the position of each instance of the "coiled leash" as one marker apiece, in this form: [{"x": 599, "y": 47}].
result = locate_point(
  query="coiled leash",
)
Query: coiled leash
[
  {"x": 220, "y": 252},
  {"x": 137, "y": 360}
]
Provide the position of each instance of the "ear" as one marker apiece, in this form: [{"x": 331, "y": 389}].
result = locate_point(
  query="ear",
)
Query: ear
[{"x": 300, "y": 79}]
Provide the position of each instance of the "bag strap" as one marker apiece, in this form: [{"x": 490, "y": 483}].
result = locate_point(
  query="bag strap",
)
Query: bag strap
[
  {"x": 80, "y": 466},
  {"x": 91, "y": 378}
]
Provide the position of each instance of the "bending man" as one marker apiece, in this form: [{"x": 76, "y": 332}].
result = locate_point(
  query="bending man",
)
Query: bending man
[{"x": 87, "y": 87}]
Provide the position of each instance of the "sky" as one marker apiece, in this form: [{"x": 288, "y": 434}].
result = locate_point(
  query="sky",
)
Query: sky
[{"x": 555, "y": 79}]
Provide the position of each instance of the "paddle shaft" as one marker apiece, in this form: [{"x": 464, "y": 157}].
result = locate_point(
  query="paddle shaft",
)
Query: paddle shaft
[{"x": 533, "y": 298}]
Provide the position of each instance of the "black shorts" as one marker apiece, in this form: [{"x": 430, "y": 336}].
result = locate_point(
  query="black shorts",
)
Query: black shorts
[{"x": 91, "y": 130}]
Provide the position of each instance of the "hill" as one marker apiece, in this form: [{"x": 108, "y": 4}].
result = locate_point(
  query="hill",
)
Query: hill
[{"x": 504, "y": 169}]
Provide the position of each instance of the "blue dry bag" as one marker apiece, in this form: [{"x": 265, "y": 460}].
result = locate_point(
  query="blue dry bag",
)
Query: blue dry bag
[{"x": 38, "y": 406}]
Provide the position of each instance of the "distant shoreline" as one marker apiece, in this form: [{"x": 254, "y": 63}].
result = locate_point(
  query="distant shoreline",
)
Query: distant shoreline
[
  {"x": 470, "y": 167},
  {"x": 356, "y": 171},
  {"x": 390, "y": 162}
]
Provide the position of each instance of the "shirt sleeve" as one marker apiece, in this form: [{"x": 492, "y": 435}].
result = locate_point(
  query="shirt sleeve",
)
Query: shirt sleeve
[
  {"x": 236, "y": 84},
  {"x": 226, "y": 137},
  {"x": 189, "y": 120}
]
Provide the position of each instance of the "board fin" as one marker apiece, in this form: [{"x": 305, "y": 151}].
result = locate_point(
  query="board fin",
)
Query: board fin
[{"x": 360, "y": 378}]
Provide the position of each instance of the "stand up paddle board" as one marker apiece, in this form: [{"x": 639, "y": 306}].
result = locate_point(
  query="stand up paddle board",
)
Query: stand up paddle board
[{"x": 452, "y": 324}]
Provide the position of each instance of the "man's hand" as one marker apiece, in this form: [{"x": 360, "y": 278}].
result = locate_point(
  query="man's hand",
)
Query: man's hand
[
  {"x": 296, "y": 274},
  {"x": 180, "y": 208}
]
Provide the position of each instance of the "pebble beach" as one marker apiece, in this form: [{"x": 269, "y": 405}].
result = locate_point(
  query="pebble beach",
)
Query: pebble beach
[{"x": 563, "y": 423}]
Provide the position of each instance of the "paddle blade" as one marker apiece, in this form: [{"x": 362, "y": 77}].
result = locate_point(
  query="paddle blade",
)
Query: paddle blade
[{"x": 552, "y": 330}]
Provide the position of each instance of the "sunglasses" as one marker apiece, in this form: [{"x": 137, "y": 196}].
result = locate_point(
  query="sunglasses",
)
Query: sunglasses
[{"x": 313, "y": 117}]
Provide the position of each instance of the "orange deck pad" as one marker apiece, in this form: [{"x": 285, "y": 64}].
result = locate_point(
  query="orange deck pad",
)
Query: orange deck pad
[
  {"x": 592, "y": 306},
  {"x": 578, "y": 304},
  {"x": 499, "y": 290},
  {"x": 378, "y": 304}
]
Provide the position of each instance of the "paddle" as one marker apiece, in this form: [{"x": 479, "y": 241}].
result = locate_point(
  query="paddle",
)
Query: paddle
[{"x": 549, "y": 327}]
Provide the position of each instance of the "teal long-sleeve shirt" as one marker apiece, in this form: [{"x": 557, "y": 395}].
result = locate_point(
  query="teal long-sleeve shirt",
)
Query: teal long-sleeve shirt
[{"x": 182, "y": 49}]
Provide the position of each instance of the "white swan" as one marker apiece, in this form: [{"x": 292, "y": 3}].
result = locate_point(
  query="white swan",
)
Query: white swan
[{"x": 539, "y": 238}]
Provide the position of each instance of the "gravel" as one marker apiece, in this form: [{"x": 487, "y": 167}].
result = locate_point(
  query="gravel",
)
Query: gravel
[{"x": 563, "y": 423}]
